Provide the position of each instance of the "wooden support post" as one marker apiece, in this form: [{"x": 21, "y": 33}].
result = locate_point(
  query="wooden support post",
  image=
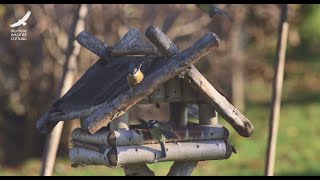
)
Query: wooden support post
[
  {"x": 207, "y": 115},
  {"x": 234, "y": 117},
  {"x": 179, "y": 113},
  {"x": 277, "y": 90},
  {"x": 137, "y": 169},
  {"x": 121, "y": 122}
]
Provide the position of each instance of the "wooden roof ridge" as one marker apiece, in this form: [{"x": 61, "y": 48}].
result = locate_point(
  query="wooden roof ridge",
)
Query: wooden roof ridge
[{"x": 173, "y": 64}]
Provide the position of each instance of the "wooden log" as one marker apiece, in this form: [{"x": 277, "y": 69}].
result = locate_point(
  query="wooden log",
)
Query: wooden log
[
  {"x": 150, "y": 153},
  {"x": 176, "y": 65},
  {"x": 132, "y": 38},
  {"x": 146, "y": 50},
  {"x": 123, "y": 137},
  {"x": 100, "y": 137},
  {"x": 122, "y": 123},
  {"x": 93, "y": 44},
  {"x": 162, "y": 42},
  {"x": 81, "y": 157},
  {"x": 81, "y": 144},
  {"x": 233, "y": 116}
]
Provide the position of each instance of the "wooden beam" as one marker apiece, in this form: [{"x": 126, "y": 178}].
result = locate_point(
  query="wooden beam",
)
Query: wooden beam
[
  {"x": 93, "y": 44},
  {"x": 176, "y": 65},
  {"x": 233, "y": 116}
]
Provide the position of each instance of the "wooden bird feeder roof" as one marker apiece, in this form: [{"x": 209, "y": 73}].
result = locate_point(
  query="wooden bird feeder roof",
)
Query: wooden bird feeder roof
[{"x": 102, "y": 93}]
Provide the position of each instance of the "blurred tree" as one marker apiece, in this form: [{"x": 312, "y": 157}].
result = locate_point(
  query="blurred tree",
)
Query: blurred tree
[{"x": 309, "y": 29}]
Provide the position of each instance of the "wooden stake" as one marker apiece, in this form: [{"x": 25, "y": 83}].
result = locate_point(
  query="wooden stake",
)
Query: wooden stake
[{"x": 277, "y": 90}]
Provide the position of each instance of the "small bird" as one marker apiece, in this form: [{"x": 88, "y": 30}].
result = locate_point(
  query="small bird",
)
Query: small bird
[
  {"x": 212, "y": 9},
  {"x": 135, "y": 75},
  {"x": 161, "y": 132},
  {"x": 157, "y": 132}
]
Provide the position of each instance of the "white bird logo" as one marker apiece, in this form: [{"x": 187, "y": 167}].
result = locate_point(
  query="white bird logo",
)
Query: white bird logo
[{"x": 22, "y": 21}]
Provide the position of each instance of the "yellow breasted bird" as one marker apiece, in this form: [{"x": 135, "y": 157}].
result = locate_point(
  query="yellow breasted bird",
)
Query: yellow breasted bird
[
  {"x": 212, "y": 9},
  {"x": 161, "y": 132},
  {"x": 135, "y": 75}
]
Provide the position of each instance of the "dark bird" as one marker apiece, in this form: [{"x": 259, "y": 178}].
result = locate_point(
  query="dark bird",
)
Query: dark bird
[
  {"x": 135, "y": 75},
  {"x": 212, "y": 10},
  {"x": 161, "y": 132}
]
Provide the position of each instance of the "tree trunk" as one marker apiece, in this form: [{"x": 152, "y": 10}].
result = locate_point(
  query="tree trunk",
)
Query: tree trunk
[{"x": 237, "y": 58}]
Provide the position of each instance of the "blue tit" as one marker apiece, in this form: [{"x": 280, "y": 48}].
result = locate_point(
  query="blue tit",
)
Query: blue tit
[
  {"x": 157, "y": 131},
  {"x": 212, "y": 9},
  {"x": 162, "y": 132},
  {"x": 135, "y": 75}
]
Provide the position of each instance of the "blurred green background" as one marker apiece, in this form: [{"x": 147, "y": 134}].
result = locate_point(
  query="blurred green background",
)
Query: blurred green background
[{"x": 242, "y": 68}]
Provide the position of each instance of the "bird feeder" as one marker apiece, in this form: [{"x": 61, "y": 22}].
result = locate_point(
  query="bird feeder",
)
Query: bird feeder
[{"x": 102, "y": 96}]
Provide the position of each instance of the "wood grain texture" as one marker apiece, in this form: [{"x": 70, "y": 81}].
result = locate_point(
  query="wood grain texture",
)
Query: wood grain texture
[
  {"x": 100, "y": 83},
  {"x": 93, "y": 44},
  {"x": 196, "y": 80},
  {"x": 225, "y": 109},
  {"x": 123, "y": 137}
]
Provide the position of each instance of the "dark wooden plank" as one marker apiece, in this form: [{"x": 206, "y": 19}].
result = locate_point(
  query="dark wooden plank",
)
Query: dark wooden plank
[{"x": 100, "y": 83}]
